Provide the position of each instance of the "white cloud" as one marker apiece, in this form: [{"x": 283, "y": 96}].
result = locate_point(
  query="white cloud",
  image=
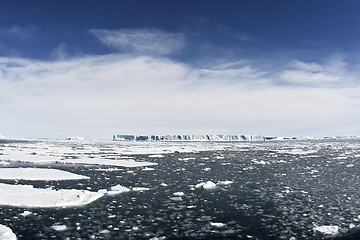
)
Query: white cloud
[
  {"x": 144, "y": 41},
  {"x": 97, "y": 96},
  {"x": 330, "y": 74}
]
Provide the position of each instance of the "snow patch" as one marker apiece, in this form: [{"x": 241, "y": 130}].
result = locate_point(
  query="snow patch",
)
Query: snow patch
[
  {"x": 28, "y": 196},
  {"x": 59, "y": 228},
  {"x": 206, "y": 185},
  {"x": 39, "y": 174},
  {"x": 6, "y": 233},
  {"x": 327, "y": 230}
]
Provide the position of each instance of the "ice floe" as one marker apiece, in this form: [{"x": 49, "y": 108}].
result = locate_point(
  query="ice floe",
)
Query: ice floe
[
  {"x": 206, "y": 185},
  {"x": 118, "y": 189},
  {"x": 59, "y": 228},
  {"x": 6, "y": 233},
  {"x": 130, "y": 163},
  {"x": 28, "y": 196},
  {"x": 40, "y": 174},
  {"x": 327, "y": 230}
]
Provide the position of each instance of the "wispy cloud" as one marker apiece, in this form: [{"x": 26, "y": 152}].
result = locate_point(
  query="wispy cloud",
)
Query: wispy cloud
[
  {"x": 101, "y": 95},
  {"x": 332, "y": 73},
  {"x": 145, "y": 41},
  {"x": 19, "y": 32}
]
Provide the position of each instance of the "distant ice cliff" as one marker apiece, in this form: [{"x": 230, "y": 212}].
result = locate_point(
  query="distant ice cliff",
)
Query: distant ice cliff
[{"x": 191, "y": 138}]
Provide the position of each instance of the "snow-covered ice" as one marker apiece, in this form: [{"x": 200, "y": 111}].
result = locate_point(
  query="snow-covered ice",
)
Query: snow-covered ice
[
  {"x": 206, "y": 185},
  {"x": 6, "y": 233},
  {"x": 115, "y": 190},
  {"x": 59, "y": 228},
  {"x": 28, "y": 196},
  {"x": 40, "y": 174},
  {"x": 327, "y": 230}
]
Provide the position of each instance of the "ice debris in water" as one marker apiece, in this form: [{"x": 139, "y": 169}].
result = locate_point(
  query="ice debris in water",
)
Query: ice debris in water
[
  {"x": 6, "y": 233},
  {"x": 217, "y": 224},
  {"x": 327, "y": 230},
  {"x": 206, "y": 185},
  {"x": 26, "y": 213},
  {"x": 226, "y": 182},
  {"x": 178, "y": 194},
  {"x": 115, "y": 190},
  {"x": 59, "y": 228}
]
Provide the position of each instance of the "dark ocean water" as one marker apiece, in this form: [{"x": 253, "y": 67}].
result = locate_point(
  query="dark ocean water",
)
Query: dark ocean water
[{"x": 279, "y": 190}]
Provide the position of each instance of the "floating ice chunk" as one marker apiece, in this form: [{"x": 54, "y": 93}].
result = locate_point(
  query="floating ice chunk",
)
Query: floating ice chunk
[
  {"x": 186, "y": 159},
  {"x": 115, "y": 190},
  {"x": 105, "y": 231},
  {"x": 163, "y": 185},
  {"x": 327, "y": 230},
  {"x": 39, "y": 174},
  {"x": 178, "y": 194},
  {"x": 262, "y": 162},
  {"x": 217, "y": 224},
  {"x": 140, "y": 189},
  {"x": 226, "y": 182},
  {"x": 156, "y": 156},
  {"x": 118, "y": 163},
  {"x": 148, "y": 169},
  {"x": 6, "y": 233},
  {"x": 28, "y": 196},
  {"x": 26, "y": 213},
  {"x": 206, "y": 185},
  {"x": 59, "y": 228}
]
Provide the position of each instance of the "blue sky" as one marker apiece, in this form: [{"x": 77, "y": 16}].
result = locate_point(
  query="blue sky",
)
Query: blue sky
[{"x": 97, "y": 68}]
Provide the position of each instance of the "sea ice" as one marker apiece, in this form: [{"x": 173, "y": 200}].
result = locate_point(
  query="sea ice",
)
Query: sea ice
[
  {"x": 6, "y": 233},
  {"x": 115, "y": 190},
  {"x": 217, "y": 224},
  {"x": 118, "y": 163},
  {"x": 28, "y": 196},
  {"x": 178, "y": 194},
  {"x": 40, "y": 174},
  {"x": 59, "y": 228},
  {"x": 206, "y": 185},
  {"x": 327, "y": 230}
]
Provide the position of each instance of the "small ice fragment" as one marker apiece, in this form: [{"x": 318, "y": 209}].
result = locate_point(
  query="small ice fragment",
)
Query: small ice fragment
[
  {"x": 105, "y": 231},
  {"x": 226, "y": 182},
  {"x": 163, "y": 185},
  {"x": 209, "y": 185},
  {"x": 327, "y": 230},
  {"x": 207, "y": 169},
  {"x": 140, "y": 189},
  {"x": 206, "y": 185},
  {"x": 115, "y": 190},
  {"x": 156, "y": 156},
  {"x": 59, "y": 228},
  {"x": 178, "y": 194},
  {"x": 217, "y": 224},
  {"x": 6, "y": 233},
  {"x": 25, "y": 213},
  {"x": 148, "y": 169}
]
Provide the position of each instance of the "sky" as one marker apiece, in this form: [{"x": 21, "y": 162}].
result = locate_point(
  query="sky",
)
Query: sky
[{"x": 96, "y": 68}]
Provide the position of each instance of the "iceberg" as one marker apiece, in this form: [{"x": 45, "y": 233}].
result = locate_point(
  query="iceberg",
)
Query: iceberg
[
  {"x": 196, "y": 138},
  {"x": 6, "y": 233},
  {"x": 29, "y": 197}
]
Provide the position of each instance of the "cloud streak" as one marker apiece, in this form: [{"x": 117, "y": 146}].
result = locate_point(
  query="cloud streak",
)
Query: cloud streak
[{"x": 144, "y": 41}]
